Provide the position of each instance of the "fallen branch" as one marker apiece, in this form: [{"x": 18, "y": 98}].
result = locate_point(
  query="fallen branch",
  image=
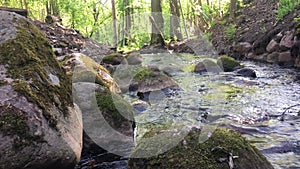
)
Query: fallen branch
[
  {"x": 283, "y": 113},
  {"x": 22, "y": 12}
]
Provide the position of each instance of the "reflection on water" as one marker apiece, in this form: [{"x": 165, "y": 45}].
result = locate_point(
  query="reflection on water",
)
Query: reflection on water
[{"x": 251, "y": 106}]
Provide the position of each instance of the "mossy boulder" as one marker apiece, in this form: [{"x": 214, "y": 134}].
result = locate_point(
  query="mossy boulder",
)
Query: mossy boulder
[
  {"x": 82, "y": 68},
  {"x": 107, "y": 117},
  {"x": 113, "y": 59},
  {"x": 134, "y": 58},
  {"x": 228, "y": 63},
  {"x": 207, "y": 65},
  {"x": 147, "y": 80},
  {"x": 190, "y": 152},
  {"x": 136, "y": 78},
  {"x": 40, "y": 127}
]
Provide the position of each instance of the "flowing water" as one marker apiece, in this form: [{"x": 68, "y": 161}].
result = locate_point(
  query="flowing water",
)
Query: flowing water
[{"x": 252, "y": 106}]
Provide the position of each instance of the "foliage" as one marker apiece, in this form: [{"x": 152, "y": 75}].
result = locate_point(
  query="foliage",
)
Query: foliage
[
  {"x": 286, "y": 6},
  {"x": 93, "y": 18},
  {"x": 230, "y": 31},
  {"x": 207, "y": 36}
]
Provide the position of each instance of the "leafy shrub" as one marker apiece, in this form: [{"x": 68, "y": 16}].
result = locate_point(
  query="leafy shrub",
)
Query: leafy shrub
[
  {"x": 230, "y": 31},
  {"x": 286, "y": 6}
]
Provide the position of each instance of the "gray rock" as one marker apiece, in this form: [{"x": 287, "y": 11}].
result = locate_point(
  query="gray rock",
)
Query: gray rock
[
  {"x": 273, "y": 57},
  {"x": 40, "y": 126},
  {"x": 287, "y": 40},
  {"x": 285, "y": 57},
  {"x": 262, "y": 57},
  {"x": 134, "y": 60},
  {"x": 272, "y": 46},
  {"x": 207, "y": 65},
  {"x": 250, "y": 55},
  {"x": 243, "y": 48},
  {"x": 246, "y": 72}
]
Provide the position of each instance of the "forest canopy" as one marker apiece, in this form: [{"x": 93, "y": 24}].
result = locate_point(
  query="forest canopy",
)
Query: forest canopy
[{"x": 129, "y": 23}]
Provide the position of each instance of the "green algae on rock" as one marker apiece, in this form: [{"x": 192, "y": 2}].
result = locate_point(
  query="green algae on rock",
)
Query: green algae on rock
[
  {"x": 152, "y": 80},
  {"x": 84, "y": 69},
  {"x": 113, "y": 59},
  {"x": 190, "y": 153},
  {"x": 116, "y": 110},
  {"x": 29, "y": 59},
  {"x": 227, "y": 63}
]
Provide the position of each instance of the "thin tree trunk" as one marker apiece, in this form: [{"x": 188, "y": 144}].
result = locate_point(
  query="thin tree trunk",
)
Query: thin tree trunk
[
  {"x": 127, "y": 21},
  {"x": 232, "y": 8},
  {"x": 157, "y": 23},
  {"x": 175, "y": 21},
  {"x": 114, "y": 23},
  {"x": 96, "y": 18},
  {"x": 186, "y": 32},
  {"x": 25, "y": 5}
]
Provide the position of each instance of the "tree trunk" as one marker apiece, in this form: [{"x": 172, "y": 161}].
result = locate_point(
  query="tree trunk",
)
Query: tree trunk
[
  {"x": 232, "y": 8},
  {"x": 157, "y": 23},
  {"x": 52, "y": 7},
  {"x": 127, "y": 21},
  {"x": 175, "y": 21},
  {"x": 96, "y": 14},
  {"x": 180, "y": 7},
  {"x": 114, "y": 23}
]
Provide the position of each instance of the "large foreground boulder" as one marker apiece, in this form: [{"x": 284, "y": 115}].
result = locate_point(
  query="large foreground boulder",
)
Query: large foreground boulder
[
  {"x": 40, "y": 127},
  {"x": 225, "y": 149}
]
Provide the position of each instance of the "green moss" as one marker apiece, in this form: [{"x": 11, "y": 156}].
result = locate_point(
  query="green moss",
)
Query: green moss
[
  {"x": 114, "y": 108},
  {"x": 90, "y": 72},
  {"x": 192, "y": 154},
  {"x": 2, "y": 82},
  {"x": 112, "y": 58},
  {"x": 232, "y": 92},
  {"x": 30, "y": 59},
  {"x": 188, "y": 56},
  {"x": 143, "y": 73},
  {"x": 13, "y": 123},
  {"x": 188, "y": 68},
  {"x": 228, "y": 63}
]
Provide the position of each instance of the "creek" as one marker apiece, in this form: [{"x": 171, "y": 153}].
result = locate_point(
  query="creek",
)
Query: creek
[{"x": 252, "y": 106}]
